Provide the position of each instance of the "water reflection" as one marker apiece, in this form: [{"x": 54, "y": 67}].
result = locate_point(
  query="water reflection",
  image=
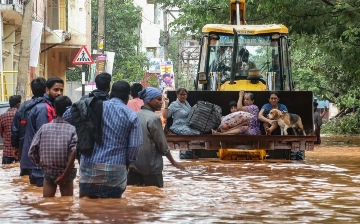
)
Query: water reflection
[{"x": 323, "y": 189}]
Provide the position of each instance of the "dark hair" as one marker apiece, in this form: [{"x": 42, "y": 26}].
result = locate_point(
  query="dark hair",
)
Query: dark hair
[
  {"x": 51, "y": 82},
  {"x": 103, "y": 81},
  {"x": 244, "y": 54},
  {"x": 233, "y": 104},
  {"x": 14, "y": 100},
  {"x": 61, "y": 103},
  {"x": 121, "y": 90},
  {"x": 181, "y": 89},
  {"x": 251, "y": 95},
  {"x": 276, "y": 93},
  {"x": 38, "y": 86},
  {"x": 135, "y": 89}
]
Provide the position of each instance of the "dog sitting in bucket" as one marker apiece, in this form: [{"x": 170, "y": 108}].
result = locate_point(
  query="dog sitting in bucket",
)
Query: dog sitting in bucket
[{"x": 286, "y": 120}]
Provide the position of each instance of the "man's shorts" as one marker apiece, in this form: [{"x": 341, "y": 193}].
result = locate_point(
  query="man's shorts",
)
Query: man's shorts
[
  {"x": 51, "y": 178},
  {"x": 138, "y": 179},
  {"x": 98, "y": 180}
]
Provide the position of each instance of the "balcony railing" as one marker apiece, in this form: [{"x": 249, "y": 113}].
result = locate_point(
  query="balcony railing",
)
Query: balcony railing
[{"x": 18, "y": 3}]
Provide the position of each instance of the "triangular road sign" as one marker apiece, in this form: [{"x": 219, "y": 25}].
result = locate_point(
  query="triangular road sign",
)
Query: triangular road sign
[{"x": 83, "y": 57}]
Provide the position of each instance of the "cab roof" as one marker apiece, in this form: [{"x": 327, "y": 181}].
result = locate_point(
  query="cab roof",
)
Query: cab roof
[{"x": 245, "y": 29}]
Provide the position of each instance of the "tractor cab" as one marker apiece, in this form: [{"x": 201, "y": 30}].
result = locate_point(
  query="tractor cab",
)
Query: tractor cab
[{"x": 246, "y": 57}]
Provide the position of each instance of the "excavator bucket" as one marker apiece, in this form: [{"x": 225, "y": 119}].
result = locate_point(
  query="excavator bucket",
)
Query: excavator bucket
[
  {"x": 276, "y": 146},
  {"x": 297, "y": 102}
]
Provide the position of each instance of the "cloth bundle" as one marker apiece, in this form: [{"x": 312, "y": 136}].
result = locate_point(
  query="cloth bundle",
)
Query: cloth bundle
[
  {"x": 204, "y": 116},
  {"x": 236, "y": 118}
]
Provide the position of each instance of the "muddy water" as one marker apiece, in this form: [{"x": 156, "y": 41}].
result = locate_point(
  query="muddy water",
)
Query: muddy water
[{"x": 323, "y": 189}]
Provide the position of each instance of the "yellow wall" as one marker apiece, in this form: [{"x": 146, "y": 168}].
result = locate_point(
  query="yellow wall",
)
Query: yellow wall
[
  {"x": 56, "y": 63},
  {"x": 62, "y": 9},
  {"x": 8, "y": 65}
]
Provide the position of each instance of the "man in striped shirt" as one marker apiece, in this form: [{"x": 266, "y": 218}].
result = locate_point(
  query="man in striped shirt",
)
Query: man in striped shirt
[{"x": 104, "y": 172}]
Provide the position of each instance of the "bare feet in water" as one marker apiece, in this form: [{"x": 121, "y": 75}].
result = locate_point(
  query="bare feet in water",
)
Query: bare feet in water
[{"x": 268, "y": 131}]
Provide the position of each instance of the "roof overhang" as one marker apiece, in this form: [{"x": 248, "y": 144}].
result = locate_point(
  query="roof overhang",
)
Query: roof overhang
[
  {"x": 56, "y": 36},
  {"x": 245, "y": 29}
]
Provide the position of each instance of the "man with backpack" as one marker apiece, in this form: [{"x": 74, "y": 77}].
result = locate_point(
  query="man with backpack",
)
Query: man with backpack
[
  {"x": 103, "y": 82},
  {"x": 103, "y": 168},
  {"x": 86, "y": 114},
  {"x": 41, "y": 113},
  {"x": 18, "y": 127}
]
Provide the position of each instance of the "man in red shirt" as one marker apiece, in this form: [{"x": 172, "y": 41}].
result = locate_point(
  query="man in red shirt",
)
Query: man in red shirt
[
  {"x": 136, "y": 103},
  {"x": 6, "y": 120}
]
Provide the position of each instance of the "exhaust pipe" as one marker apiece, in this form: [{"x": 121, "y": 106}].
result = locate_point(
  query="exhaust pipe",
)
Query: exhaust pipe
[
  {"x": 237, "y": 12},
  {"x": 234, "y": 55}
]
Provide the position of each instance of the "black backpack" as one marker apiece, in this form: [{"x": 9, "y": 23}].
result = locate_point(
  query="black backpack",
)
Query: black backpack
[
  {"x": 20, "y": 122},
  {"x": 86, "y": 117},
  {"x": 205, "y": 116}
]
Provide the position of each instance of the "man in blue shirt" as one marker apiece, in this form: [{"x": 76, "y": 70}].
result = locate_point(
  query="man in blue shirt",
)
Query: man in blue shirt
[
  {"x": 40, "y": 114},
  {"x": 103, "y": 81},
  {"x": 104, "y": 172},
  {"x": 18, "y": 128}
]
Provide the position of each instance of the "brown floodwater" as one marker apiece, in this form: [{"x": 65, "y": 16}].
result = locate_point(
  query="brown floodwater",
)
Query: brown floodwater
[{"x": 325, "y": 188}]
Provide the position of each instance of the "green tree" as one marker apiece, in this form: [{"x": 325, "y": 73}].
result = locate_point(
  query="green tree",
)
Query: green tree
[
  {"x": 325, "y": 37},
  {"x": 122, "y": 20},
  {"x": 174, "y": 55},
  {"x": 121, "y": 36},
  {"x": 73, "y": 75}
]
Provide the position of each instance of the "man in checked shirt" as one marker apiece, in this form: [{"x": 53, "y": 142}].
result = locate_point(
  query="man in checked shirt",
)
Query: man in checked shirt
[
  {"x": 5, "y": 129},
  {"x": 53, "y": 148}
]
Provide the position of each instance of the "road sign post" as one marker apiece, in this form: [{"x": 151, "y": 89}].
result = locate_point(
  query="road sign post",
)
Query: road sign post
[
  {"x": 83, "y": 70},
  {"x": 83, "y": 58}
]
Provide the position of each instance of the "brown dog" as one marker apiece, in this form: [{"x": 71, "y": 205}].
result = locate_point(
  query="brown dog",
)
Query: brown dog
[{"x": 286, "y": 120}]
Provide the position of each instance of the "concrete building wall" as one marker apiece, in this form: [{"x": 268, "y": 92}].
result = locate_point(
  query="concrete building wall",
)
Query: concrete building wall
[
  {"x": 67, "y": 28},
  {"x": 151, "y": 27},
  {"x": 71, "y": 90},
  {"x": 40, "y": 9},
  {"x": 149, "y": 30},
  {"x": 79, "y": 22}
]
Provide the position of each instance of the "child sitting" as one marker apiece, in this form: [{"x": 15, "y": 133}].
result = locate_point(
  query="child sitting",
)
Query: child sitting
[
  {"x": 53, "y": 147},
  {"x": 233, "y": 106}
]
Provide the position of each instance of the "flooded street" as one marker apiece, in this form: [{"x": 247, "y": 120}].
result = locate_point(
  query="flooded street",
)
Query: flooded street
[{"x": 323, "y": 189}]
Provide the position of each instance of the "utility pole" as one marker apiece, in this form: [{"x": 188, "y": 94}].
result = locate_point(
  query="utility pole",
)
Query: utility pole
[
  {"x": 188, "y": 70},
  {"x": 101, "y": 41},
  {"x": 101, "y": 26},
  {"x": 189, "y": 52},
  {"x": 157, "y": 13},
  {"x": 24, "y": 58},
  {"x": 166, "y": 35},
  {"x": 179, "y": 64}
]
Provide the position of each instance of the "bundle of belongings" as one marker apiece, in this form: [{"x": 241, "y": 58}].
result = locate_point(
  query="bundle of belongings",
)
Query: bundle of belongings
[
  {"x": 235, "y": 119},
  {"x": 205, "y": 116}
]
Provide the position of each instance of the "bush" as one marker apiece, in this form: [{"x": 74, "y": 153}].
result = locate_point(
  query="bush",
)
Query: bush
[{"x": 348, "y": 124}]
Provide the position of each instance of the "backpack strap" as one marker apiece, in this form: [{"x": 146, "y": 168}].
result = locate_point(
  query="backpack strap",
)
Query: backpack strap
[{"x": 50, "y": 112}]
